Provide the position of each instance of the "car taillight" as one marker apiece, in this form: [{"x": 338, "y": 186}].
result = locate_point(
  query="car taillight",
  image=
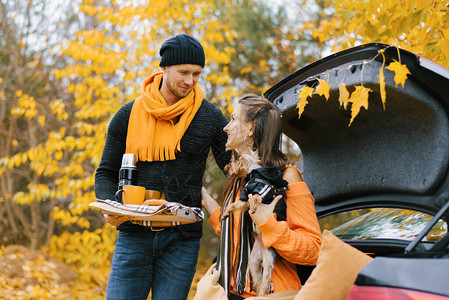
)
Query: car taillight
[{"x": 384, "y": 293}]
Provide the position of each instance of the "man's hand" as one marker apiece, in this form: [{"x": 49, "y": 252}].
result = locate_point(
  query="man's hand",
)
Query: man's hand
[
  {"x": 117, "y": 220},
  {"x": 263, "y": 211}
]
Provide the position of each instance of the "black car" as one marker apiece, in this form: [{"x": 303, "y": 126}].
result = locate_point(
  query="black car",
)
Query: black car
[{"x": 382, "y": 183}]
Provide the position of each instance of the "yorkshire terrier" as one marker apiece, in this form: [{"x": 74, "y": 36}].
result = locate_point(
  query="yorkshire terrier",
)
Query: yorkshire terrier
[{"x": 262, "y": 185}]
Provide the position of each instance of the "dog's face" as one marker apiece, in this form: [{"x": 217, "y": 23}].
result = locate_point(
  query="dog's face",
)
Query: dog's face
[{"x": 240, "y": 167}]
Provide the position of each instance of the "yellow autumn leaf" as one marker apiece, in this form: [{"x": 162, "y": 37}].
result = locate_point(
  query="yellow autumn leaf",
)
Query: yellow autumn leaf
[
  {"x": 323, "y": 89},
  {"x": 344, "y": 95},
  {"x": 245, "y": 70},
  {"x": 309, "y": 25},
  {"x": 400, "y": 72},
  {"x": 305, "y": 93},
  {"x": 32, "y": 154},
  {"x": 83, "y": 223},
  {"x": 443, "y": 44},
  {"x": 40, "y": 170},
  {"x": 359, "y": 99},
  {"x": 41, "y": 120},
  {"x": 17, "y": 160},
  {"x": 383, "y": 93},
  {"x": 24, "y": 158},
  {"x": 58, "y": 155}
]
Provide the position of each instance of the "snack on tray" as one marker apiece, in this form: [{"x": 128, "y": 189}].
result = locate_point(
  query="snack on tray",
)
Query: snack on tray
[{"x": 154, "y": 202}]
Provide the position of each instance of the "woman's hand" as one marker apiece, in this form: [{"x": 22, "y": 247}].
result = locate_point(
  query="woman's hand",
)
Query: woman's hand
[
  {"x": 263, "y": 211},
  {"x": 208, "y": 202},
  {"x": 117, "y": 220}
]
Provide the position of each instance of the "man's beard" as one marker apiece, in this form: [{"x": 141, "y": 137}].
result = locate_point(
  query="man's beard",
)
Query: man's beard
[{"x": 178, "y": 94}]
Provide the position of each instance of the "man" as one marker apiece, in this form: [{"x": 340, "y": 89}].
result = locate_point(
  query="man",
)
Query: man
[{"x": 170, "y": 128}]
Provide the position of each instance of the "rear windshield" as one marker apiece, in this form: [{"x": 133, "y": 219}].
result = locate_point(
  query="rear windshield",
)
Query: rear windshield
[{"x": 391, "y": 223}]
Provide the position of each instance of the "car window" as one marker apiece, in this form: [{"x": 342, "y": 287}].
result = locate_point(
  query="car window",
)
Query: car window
[{"x": 378, "y": 223}]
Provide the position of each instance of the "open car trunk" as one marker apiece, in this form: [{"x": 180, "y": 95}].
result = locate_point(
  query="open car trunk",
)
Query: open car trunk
[{"x": 393, "y": 157}]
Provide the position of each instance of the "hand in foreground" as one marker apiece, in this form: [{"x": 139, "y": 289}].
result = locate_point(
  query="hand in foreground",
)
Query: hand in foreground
[
  {"x": 117, "y": 220},
  {"x": 263, "y": 211},
  {"x": 208, "y": 202}
]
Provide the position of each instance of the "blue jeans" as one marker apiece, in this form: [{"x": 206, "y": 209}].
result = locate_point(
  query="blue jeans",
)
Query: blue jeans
[{"x": 163, "y": 261}]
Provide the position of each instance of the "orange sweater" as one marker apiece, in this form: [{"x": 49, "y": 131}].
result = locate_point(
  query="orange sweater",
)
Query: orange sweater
[{"x": 297, "y": 240}]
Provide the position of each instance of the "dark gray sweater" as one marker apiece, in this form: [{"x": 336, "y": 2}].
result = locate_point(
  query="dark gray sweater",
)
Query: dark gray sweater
[{"x": 181, "y": 179}]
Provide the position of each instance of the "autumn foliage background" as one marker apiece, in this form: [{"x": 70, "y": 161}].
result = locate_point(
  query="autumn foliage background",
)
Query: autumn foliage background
[{"x": 66, "y": 68}]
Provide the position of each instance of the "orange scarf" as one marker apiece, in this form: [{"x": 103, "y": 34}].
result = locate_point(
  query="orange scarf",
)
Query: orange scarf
[{"x": 152, "y": 135}]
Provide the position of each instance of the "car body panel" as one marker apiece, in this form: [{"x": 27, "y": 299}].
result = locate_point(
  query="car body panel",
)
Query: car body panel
[{"x": 395, "y": 272}]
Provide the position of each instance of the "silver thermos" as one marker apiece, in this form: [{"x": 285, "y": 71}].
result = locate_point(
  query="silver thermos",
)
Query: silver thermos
[{"x": 127, "y": 173}]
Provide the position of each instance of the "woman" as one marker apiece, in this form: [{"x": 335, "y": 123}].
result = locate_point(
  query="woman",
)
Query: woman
[{"x": 255, "y": 127}]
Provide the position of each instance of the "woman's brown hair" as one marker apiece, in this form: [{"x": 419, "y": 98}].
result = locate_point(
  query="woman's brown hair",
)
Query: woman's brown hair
[
  {"x": 267, "y": 129},
  {"x": 267, "y": 134}
]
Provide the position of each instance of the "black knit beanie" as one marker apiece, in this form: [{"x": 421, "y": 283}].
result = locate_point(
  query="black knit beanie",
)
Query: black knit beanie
[{"x": 182, "y": 49}]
